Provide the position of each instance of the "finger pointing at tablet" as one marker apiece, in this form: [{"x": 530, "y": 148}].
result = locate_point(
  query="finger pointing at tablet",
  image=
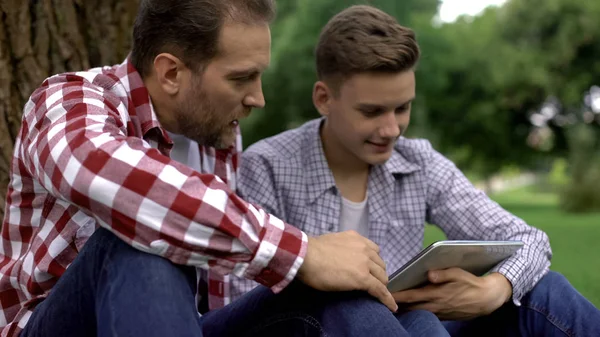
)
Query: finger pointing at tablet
[{"x": 343, "y": 262}]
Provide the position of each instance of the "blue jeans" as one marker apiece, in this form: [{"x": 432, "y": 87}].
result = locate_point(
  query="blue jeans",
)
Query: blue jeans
[
  {"x": 552, "y": 308},
  {"x": 112, "y": 289}
]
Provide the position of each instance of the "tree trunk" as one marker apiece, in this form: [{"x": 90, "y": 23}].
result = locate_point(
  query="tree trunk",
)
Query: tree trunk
[{"x": 39, "y": 38}]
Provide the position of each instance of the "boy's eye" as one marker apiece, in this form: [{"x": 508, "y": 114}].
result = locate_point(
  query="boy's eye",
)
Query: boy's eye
[
  {"x": 371, "y": 112},
  {"x": 247, "y": 78},
  {"x": 241, "y": 79}
]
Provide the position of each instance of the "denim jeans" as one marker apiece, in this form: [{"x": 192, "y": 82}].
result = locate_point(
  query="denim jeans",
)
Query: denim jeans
[
  {"x": 112, "y": 289},
  {"x": 552, "y": 308}
]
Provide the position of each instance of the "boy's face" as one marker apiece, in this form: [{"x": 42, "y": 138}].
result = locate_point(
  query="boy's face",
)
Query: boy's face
[{"x": 369, "y": 113}]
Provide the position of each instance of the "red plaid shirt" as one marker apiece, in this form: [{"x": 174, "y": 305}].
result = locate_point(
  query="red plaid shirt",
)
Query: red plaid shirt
[{"x": 83, "y": 159}]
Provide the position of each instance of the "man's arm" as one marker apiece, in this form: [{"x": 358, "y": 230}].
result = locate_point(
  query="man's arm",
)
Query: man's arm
[
  {"x": 343, "y": 258},
  {"x": 78, "y": 151},
  {"x": 256, "y": 184},
  {"x": 463, "y": 212}
]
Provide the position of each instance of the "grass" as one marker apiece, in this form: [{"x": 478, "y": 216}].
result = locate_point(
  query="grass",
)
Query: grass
[{"x": 575, "y": 238}]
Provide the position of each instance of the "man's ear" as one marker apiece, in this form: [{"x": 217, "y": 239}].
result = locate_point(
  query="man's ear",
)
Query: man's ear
[
  {"x": 169, "y": 72},
  {"x": 322, "y": 96}
]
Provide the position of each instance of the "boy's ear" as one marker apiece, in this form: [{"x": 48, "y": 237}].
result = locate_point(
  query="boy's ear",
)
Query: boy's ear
[{"x": 322, "y": 96}]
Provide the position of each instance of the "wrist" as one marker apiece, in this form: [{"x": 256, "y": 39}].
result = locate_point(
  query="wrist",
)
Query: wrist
[
  {"x": 310, "y": 247},
  {"x": 502, "y": 287}
]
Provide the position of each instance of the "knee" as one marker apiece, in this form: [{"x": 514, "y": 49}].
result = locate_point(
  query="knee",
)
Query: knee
[
  {"x": 127, "y": 263},
  {"x": 358, "y": 308},
  {"x": 418, "y": 317},
  {"x": 360, "y": 315},
  {"x": 118, "y": 252},
  {"x": 150, "y": 265},
  {"x": 549, "y": 286},
  {"x": 422, "y": 323},
  {"x": 358, "y": 303},
  {"x": 552, "y": 281}
]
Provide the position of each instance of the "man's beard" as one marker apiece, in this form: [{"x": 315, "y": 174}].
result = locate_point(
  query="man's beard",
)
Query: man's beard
[{"x": 198, "y": 120}]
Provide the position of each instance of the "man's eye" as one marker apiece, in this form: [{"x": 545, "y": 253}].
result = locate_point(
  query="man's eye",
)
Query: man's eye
[{"x": 403, "y": 108}]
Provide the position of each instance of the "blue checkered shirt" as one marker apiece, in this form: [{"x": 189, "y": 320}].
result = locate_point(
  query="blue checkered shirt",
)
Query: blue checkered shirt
[{"x": 287, "y": 174}]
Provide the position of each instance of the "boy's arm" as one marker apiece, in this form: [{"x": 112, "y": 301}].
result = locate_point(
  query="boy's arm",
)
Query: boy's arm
[{"x": 463, "y": 212}]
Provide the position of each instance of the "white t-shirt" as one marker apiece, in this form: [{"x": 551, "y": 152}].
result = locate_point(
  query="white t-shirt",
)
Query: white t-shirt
[{"x": 355, "y": 216}]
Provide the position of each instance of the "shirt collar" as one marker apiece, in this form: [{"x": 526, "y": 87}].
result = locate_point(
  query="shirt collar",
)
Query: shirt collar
[
  {"x": 398, "y": 164},
  {"x": 320, "y": 177},
  {"x": 142, "y": 113}
]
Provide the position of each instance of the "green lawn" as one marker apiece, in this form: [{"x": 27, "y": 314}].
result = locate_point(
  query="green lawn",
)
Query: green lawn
[{"x": 575, "y": 238}]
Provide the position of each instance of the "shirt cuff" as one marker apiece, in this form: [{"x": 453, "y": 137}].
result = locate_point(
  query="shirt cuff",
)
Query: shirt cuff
[
  {"x": 279, "y": 255},
  {"x": 516, "y": 273}
]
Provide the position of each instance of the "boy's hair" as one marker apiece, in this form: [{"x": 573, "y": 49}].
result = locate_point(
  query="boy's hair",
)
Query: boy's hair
[
  {"x": 363, "y": 39},
  {"x": 189, "y": 29}
]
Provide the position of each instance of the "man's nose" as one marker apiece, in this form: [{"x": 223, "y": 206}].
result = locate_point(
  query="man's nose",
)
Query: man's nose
[{"x": 256, "y": 98}]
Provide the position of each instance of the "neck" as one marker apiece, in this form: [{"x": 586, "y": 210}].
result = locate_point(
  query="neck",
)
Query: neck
[
  {"x": 351, "y": 174},
  {"x": 343, "y": 164}
]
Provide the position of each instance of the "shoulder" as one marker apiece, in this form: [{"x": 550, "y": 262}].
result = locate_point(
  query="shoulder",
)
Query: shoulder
[
  {"x": 100, "y": 79},
  {"x": 284, "y": 147},
  {"x": 98, "y": 88},
  {"x": 76, "y": 87}
]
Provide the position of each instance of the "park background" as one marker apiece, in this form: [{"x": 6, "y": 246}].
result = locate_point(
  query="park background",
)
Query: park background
[{"x": 510, "y": 94}]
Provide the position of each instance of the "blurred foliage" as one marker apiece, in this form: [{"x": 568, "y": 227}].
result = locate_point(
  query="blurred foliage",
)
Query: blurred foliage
[
  {"x": 582, "y": 192},
  {"x": 479, "y": 81},
  {"x": 558, "y": 177}
]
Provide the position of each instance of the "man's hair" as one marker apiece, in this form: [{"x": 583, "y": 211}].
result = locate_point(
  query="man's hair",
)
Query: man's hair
[
  {"x": 189, "y": 29},
  {"x": 363, "y": 39}
]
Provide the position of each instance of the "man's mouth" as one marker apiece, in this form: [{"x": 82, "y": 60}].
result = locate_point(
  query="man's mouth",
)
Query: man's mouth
[{"x": 236, "y": 122}]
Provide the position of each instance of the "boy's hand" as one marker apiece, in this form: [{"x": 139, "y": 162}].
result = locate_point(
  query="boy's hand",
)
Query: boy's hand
[{"x": 455, "y": 294}]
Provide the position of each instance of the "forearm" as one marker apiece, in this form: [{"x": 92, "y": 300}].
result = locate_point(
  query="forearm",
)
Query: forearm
[{"x": 466, "y": 213}]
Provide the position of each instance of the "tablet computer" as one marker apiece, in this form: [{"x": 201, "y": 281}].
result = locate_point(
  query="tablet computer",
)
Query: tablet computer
[{"x": 476, "y": 257}]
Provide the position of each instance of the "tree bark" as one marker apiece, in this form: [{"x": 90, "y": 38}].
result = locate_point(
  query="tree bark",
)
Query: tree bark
[{"x": 40, "y": 38}]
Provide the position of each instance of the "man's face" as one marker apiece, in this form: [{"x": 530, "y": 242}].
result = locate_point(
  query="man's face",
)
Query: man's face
[
  {"x": 369, "y": 113},
  {"x": 227, "y": 88}
]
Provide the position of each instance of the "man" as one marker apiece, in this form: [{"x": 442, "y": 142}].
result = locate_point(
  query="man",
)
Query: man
[
  {"x": 103, "y": 230},
  {"x": 353, "y": 170}
]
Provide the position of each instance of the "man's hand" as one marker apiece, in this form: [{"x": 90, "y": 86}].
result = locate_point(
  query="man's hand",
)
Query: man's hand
[
  {"x": 455, "y": 294},
  {"x": 343, "y": 262}
]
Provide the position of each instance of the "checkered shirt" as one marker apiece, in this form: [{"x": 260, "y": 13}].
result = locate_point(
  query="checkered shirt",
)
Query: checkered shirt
[
  {"x": 288, "y": 175},
  {"x": 83, "y": 158}
]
